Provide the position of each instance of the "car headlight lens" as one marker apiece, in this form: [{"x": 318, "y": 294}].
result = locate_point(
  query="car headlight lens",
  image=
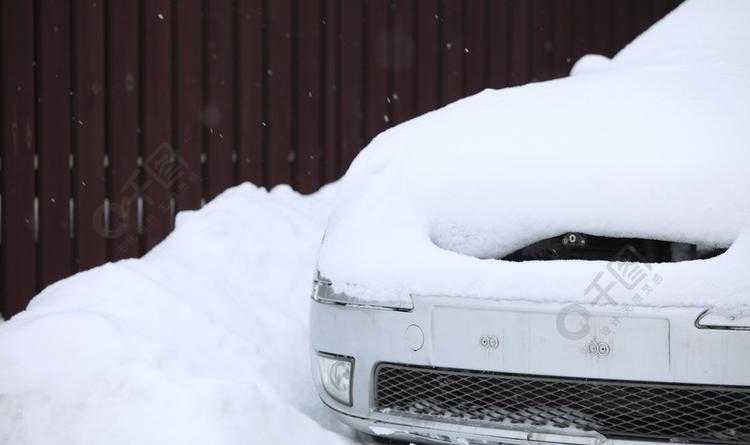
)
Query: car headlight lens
[
  {"x": 716, "y": 319},
  {"x": 336, "y": 377}
]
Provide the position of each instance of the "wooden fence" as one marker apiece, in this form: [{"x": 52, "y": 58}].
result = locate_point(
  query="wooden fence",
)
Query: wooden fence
[{"x": 118, "y": 113}]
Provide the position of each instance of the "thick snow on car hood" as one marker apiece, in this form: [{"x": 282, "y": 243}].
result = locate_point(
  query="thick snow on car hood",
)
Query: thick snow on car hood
[{"x": 653, "y": 144}]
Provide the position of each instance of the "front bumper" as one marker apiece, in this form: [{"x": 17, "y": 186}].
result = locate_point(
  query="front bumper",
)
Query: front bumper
[
  {"x": 444, "y": 433},
  {"x": 643, "y": 344}
]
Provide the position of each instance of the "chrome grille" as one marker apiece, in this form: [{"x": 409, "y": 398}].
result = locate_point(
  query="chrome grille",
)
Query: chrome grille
[{"x": 616, "y": 409}]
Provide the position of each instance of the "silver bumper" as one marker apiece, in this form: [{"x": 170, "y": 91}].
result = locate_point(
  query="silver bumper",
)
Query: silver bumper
[
  {"x": 416, "y": 430},
  {"x": 444, "y": 433},
  {"x": 642, "y": 344}
]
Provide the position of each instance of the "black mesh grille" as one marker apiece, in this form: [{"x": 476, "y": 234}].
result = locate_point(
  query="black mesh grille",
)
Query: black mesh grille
[{"x": 656, "y": 411}]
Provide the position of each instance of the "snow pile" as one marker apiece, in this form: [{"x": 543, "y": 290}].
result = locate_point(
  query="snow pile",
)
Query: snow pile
[
  {"x": 590, "y": 63},
  {"x": 204, "y": 340},
  {"x": 652, "y": 144}
]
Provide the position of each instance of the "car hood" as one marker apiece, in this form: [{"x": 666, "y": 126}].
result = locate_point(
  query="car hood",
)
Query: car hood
[{"x": 652, "y": 144}]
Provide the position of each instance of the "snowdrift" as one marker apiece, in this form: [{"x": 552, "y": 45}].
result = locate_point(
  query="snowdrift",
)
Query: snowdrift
[
  {"x": 652, "y": 144},
  {"x": 203, "y": 341}
]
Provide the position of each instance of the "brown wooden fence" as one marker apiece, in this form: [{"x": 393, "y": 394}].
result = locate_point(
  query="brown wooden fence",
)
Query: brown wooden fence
[{"x": 117, "y": 113}]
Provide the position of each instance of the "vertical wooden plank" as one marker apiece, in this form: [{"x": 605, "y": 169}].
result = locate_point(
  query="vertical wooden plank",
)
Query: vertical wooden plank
[
  {"x": 157, "y": 120},
  {"x": 403, "y": 70},
  {"x": 661, "y": 8},
  {"x": 53, "y": 139},
  {"x": 542, "y": 43},
  {"x": 620, "y": 32},
  {"x": 581, "y": 23},
  {"x": 124, "y": 128},
  {"x": 563, "y": 56},
  {"x": 376, "y": 34},
  {"x": 601, "y": 27},
  {"x": 188, "y": 102},
  {"x": 18, "y": 139},
  {"x": 279, "y": 78},
  {"x": 641, "y": 17},
  {"x": 520, "y": 41},
  {"x": 499, "y": 43},
  {"x": 674, "y": 4},
  {"x": 89, "y": 133},
  {"x": 476, "y": 46},
  {"x": 427, "y": 66},
  {"x": 250, "y": 91},
  {"x": 219, "y": 109},
  {"x": 307, "y": 170},
  {"x": 352, "y": 119},
  {"x": 452, "y": 49},
  {"x": 332, "y": 78}
]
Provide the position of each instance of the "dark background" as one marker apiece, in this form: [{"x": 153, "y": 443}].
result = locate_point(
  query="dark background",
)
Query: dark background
[{"x": 118, "y": 113}]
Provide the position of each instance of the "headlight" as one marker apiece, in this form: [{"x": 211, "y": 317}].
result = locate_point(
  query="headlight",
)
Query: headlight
[
  {"x": 323, "y": 293},
  {"x": 720, "y": 320},
  {"x": 336, "y": 376}
]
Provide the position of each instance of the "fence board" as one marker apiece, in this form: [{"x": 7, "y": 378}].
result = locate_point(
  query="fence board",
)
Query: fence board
[
  {"x": 476, "y": 46},
  {"x": 124, "y": 129},
  {"x": 157, "y": 120},
  {"x": 351, "y": 97},
  {"x": 219, "y": 109},
  {"x": 580, "y": 38},
  {"x": 307, "y": 169},
  {"x": 376, "y": 67},
  {"x": 18, "y": 138},
  {"x": 662, "y": 8},
  {"x": 89, "y": 133},
  {"x": 427, "y": 63},
  {"x": 402, "y": 95},
  {"x": 279, "y": 78},
  {"x": 331, "y": 158},
  {"x": 188, "y": 102},
  {"x": 563, "y": 59},
  {"x": 53, "y": 140},
  {"x": 542, "y": 40},
  {"x": 499, "y": 44},
  {"x": 520, "y": 43},
  {"x": 641, "y": 16},
  {"x": 619, "y": 19},
  {"x": 452, "y": 50},
  {"x": 250, "y": 91},
  {"x": 600, "y": 28}
]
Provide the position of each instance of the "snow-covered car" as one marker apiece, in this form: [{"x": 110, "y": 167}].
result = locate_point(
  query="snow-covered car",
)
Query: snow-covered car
[{"x": 566, "y": 262}]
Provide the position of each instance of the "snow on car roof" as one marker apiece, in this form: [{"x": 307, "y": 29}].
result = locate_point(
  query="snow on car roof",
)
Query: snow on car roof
[{"x": 653, "y": 144}]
